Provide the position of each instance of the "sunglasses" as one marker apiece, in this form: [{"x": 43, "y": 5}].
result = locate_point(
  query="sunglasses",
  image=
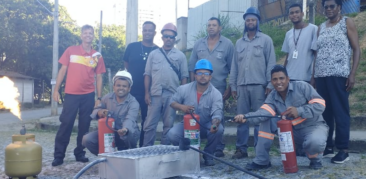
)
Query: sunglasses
[
  {"x": 203, "y": 73},
  {"x": 169, "y": 36},
  {"x": 331, "y": 7}
]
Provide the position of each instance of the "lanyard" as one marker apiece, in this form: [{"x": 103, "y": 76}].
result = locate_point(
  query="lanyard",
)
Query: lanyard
[{"x": 297, "y": 40}]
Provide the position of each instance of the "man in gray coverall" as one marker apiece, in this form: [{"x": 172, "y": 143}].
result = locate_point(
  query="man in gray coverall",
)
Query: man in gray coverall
[
  {"x": 250, "y": 75},
  {"x": 299, "y": 102},
  {"x": 219, "y": 51},
  {"x": 124, "y": 109},
  {"x": 206, "y": 101},
  {"x": 165, "y": 67}
]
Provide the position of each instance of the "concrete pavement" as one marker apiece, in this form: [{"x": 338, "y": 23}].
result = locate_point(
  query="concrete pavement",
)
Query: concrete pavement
[{"x": 26, "y": 115}]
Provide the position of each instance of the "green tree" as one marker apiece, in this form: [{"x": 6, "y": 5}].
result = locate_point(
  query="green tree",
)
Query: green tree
[{"x": 26, "y": 38}]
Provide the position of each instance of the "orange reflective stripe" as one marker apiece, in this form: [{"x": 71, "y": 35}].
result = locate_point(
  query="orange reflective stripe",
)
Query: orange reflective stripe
[
  {"x": 268, "y": 108},
  {"x": 266, "y": 135},
  {"x": 298, "y": 121},
  {"x": 317, "y": 100}
]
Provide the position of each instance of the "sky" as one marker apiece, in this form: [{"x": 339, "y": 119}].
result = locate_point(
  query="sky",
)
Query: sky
[{"x": 88, "y": 11}]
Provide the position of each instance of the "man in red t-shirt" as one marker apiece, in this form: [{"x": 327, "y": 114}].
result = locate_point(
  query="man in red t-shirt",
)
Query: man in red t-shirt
[{"x": 81, "y": 63}]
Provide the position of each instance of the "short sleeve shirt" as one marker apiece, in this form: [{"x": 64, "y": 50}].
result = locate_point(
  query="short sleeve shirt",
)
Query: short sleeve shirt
[
  {"x": 300, "y": 68},
  {"x": 136, "y": 56},
  {"x": 163, "y": 77},
  {"x": 81, "y": 69}
]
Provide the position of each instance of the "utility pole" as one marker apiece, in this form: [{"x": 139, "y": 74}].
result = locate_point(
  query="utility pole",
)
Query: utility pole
[
  {"x": 132, "y": 21},
  {"x": 54, "y": 59},
  {"x": 311, "y": 12},
  {"x": 100, "y": 32}
]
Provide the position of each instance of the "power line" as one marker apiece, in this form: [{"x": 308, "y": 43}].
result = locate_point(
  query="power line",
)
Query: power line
[{"x": 45, "y": 7}]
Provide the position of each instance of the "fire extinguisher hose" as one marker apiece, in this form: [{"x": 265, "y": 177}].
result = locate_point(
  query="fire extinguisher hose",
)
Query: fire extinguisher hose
[
  {"x": 87, "y": 167},
  {"x": 106, "y": 122},
  {"x": 185, "y": 145},
  {"x": 201, "y": 125},
  {"x": 246, "y": 117}
]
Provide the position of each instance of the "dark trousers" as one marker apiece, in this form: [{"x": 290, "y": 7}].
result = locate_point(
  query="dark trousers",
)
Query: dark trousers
[
  {"x": 333, "y": 90},
  {"x": 73, "y": 104},
  {"x": 143, "y": 108}
]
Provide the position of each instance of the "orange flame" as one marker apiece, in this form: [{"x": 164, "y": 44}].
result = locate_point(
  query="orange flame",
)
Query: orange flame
[{"x": 8, "y": 96}]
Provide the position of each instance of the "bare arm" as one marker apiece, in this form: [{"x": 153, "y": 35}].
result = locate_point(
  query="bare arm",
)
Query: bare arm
[
  {"x": 284, "y": 64},
  {"x": 126, "y": 65},
  {"x": 147, "y": 81},
  {"x": 60, "y": 77},
  {"x": 184, "y": 81},
  {"x": 99, "y": 88},
  {"x": 191, "y": 75},
  {"x": 99, "y": 85},
  {"x": 353, "y": 38}
]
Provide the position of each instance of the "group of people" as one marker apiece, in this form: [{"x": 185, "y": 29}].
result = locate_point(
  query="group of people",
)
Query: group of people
[{"x": 311, "y": 89}]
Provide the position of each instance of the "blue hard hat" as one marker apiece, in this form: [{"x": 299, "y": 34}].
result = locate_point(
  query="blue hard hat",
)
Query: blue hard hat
[
  {"x": 203, "y": 64},
  {"x": 254, "y": 11}
]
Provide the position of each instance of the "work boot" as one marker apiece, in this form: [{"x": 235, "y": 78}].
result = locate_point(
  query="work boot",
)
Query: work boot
[
  {"x": 328, "y": 153},
  {"x": 254, "y": 166},
  {"x": 341, "y": 157},
  {"x": 239, "y": 154},
  {"x": 82, "y": 159},
  {"x": 57, "y": 162},
  {"x": 219, "y": 153},
  {"x": 316, "y": 165}
]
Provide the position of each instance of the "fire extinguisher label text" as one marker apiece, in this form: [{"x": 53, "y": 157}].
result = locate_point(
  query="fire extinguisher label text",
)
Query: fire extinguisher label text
[
  {"x": 286, "y": 144},
  {"x": 192, "y": 122}
]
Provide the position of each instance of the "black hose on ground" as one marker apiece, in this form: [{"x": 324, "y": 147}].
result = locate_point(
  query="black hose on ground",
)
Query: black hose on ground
[
  {"x": 87, "y": 167},
  {"x": 246, "y": 117},
  {"x": 106, "y": 122},
  {"x": 184, "y": 144}
]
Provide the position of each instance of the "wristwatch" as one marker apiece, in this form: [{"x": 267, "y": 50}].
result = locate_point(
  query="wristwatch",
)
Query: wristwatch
[{"x": 100, "y": 99}]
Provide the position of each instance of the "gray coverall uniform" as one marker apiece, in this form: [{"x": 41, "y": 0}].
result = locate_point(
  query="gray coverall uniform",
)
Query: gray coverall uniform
[
  {"x": 220, "y": 58},
  {"x": 125, "y": 115},
  {"x": 309, "y": 129},
  {"x": 250, "y": 76},
  {"x": 209, "y": 107},
  {"x": 164, "y": 82}
]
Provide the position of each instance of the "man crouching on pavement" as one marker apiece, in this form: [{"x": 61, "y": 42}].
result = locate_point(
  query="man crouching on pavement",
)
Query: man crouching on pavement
[
  {"x": 206, "y": 101},
  {"x": 297, "y": 101},
  {"x": 124, "y": 109}
]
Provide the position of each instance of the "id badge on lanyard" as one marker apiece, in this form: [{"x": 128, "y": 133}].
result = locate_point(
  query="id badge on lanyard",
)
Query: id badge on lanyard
[{"x": 295, "y": 53}]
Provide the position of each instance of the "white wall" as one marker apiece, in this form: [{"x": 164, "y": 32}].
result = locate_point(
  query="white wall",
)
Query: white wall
[
  {"x": 25, "y": 89},
  {"x": 197, "y": 17}
]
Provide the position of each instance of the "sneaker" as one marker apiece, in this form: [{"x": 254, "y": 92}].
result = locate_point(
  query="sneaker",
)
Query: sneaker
[
  {"x": 209, "y": 162},
  {"x": 341, "y": 157},
  {"x": 82, "y": 159},
  {"x": 315, "y": 165},
  {"x": 254, "y": 166},
  {"x": 239, "y": 154},
  {"x": 219, "y": 153},
  {"x": 328, "y": 153},
  {"x": 57, "y": 162}
]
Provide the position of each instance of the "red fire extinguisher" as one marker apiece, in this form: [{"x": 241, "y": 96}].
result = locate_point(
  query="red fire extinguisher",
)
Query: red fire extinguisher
[
  {"x": 192, "y": 129},
  {"x": 287, "y": 146},
  {"x": 106, "y": 135}
]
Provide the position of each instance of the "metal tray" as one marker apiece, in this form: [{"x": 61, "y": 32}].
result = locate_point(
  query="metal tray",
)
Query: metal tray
[{"x": 153, "y": 162}]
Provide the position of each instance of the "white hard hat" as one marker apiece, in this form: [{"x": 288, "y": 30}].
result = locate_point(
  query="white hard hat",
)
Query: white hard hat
[{"x": 123, "y": 74}]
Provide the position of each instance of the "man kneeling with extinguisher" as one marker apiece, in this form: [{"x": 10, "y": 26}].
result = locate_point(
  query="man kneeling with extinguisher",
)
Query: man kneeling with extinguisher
[
  {"x": 296, "y": 101},
  {"x": 205, "y": 100},
  {"x": 123, "y": 108}
]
